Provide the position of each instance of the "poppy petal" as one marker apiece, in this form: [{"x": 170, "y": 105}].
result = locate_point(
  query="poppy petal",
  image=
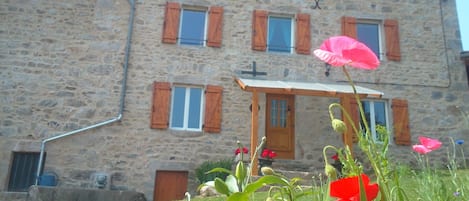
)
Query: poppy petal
[
  {"x": 432, "y": 144},
  {"x": 341, "y": 50},
  {"x": 421, "y": 149}
]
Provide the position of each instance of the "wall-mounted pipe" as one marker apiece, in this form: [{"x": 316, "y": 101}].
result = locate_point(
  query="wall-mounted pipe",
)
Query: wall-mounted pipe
[{"x": 121, "y": 102}]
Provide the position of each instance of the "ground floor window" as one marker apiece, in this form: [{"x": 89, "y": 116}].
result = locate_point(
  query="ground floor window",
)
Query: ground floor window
[
  {"x": 376, "y": 114},
  {"x": 186, "y": 108},
  {"x": 23, "y": 171}
]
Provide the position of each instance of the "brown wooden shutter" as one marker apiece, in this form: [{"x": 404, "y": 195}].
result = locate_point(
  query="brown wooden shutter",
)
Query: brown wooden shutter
[
  {"x": 351, "y": 107},
  {"x": 213, "y": 109},
  {"x": 401, "y": 122},
  {"x": 161, "y": 103},
  {"x": 391, "y": 30},
  {"x": 171, "y": 22},
  {"x": 355, "y": 115},
  {"x": 349, "y": 26},
  {"x": 259, "y": 30},
  {"x": 303, "y": 34},
  {"x": 215, "y": 25}
]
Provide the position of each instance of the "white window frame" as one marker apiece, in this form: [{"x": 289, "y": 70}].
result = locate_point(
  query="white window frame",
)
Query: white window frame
[
  {"x": 197, "y": 9},
  {"x": 372, "y": 124},
  {"x": 186, "y": 108},
  {"x": 381, "y": 38},
  {"x": 292, "y": 30}
]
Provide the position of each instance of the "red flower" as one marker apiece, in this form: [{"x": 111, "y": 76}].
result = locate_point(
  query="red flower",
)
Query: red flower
[
  {"x": 427, "y": 145},
  {"x": 267, "y": 153},
  {"x": 341, "y": 50},
  {"x": 245, "y": 150},
  {"x": 348, "y": 189},
  {"x": 335, "y": 157}
]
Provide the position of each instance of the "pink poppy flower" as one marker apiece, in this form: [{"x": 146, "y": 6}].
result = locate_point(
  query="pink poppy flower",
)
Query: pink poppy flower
[
  {"x": 426, "y": 145},
  {"x": 430, "y": 143},
  {"x": 342, "y": 50},
  {"x": 421, "y": 149}
]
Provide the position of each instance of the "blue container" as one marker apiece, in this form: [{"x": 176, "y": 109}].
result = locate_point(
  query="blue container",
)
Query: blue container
[{"x": 47, "y": 179}]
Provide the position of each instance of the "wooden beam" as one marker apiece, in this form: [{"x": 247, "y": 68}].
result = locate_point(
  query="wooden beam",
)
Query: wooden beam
[{"x": 254, "y": 131}]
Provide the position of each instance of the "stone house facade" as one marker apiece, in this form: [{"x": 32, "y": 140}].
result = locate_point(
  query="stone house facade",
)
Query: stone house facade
[{"x": 104, "y": 87}]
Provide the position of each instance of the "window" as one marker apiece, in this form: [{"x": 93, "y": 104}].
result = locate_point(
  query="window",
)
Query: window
[
  {"x": 376, "y": 116},
  {"x": 23, "y": 171},
  {"x": 193, "y": 26},
  {"x": 279, "y": 36},
  {"x": 186, "y": 108},
  {"x": 370, "y": 32},
  {"x": 276, "y": 33}
]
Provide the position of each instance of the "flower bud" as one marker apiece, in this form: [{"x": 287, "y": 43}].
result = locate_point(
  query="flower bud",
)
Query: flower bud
[
  {"x": 331, "y": 172},
  {"x": 267, "y": 171},
  {"x": 338, "y": 125}
]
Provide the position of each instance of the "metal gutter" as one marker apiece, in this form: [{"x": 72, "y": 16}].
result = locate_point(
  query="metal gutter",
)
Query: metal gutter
[{"x": 121, "y": 102}]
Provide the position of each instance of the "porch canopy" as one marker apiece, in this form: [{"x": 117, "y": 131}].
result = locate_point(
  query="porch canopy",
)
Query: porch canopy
[{"x": 342, "y": 91}]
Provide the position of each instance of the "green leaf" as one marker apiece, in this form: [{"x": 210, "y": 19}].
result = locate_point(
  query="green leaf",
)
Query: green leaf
[
  {"x": 268, "y": 179},
  {"x": 240, "y": 172},
  {"x": 238, "y": 196},
  {"x": 221, "y": 187},
  {"x": 219, "y": 170},
  {"x": 232, "y": 184}
]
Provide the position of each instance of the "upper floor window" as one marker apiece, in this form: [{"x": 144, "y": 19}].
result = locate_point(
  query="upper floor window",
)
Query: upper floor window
[
  {"x": 376, "y": 114},
  {"x": 191, "y": 25},
  {"x": 279, "y": 36},
  {"x": 186, "y": 108},
  {"x": 370, "y": 32},
  {"x": 277, "y": 33}
]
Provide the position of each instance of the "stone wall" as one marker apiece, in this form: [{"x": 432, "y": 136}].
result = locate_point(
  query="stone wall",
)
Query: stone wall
[{"x": 62, "y": 62}]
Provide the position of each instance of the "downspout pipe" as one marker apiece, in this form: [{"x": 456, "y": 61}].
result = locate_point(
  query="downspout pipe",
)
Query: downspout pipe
[{"x": 121, "y": 101}]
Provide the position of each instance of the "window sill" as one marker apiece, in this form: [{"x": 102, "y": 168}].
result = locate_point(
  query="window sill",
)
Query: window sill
[{"x": 185, "y": 133}]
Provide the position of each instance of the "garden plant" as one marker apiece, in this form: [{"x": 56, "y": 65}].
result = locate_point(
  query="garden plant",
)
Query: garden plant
[{"x": 386, "y": 181}]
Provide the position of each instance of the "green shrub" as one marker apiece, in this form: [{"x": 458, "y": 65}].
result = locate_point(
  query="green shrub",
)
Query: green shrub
[{"x": 206, "y": 166}]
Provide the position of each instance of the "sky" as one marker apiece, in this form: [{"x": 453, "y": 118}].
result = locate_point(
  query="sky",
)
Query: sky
[{"x": 463, "y": 15}]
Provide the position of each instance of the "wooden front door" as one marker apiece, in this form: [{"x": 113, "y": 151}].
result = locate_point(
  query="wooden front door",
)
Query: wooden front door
[
  {"x": 170, "y": 185},
  {"x": 280, "y": 130}
]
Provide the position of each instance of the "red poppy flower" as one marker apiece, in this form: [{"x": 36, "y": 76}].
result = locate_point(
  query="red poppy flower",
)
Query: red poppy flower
[
  {"x": 342, "y": 50},
  {"x": 267, "y": 153},
  {"x": 348, "y": 189},
  {"x": 426, "y": 145},
  {"x": 245, "y": 150},
  {"x": 335, "y": 157}
]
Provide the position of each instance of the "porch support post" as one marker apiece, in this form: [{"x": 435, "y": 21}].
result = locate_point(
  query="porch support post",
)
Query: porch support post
[
  {"x": 254, "y": 129},
  {"x": 345, "y": 101}
]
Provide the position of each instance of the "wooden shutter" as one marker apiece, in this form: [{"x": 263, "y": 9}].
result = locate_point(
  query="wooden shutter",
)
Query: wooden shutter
[
  {"x": 401, "y": 122},
  {"x": 391, "y": 30},
  {"x": 259, "y": 30},
  {"x": 303, "y": 34},
  {"x": 215, "y": 25},
  {"x": 349, "y": 26},
  {"x": 351, "y": 107},
  {"x": 355, "y": 115},
  {"x": 171, "y": 22},
  {"x": 160, "y": 108},
  {"x": 213, "y": 109}
]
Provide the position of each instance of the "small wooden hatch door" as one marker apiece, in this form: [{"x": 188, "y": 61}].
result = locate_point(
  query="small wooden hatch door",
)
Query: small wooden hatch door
[{"x": 170, "y": 185}]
